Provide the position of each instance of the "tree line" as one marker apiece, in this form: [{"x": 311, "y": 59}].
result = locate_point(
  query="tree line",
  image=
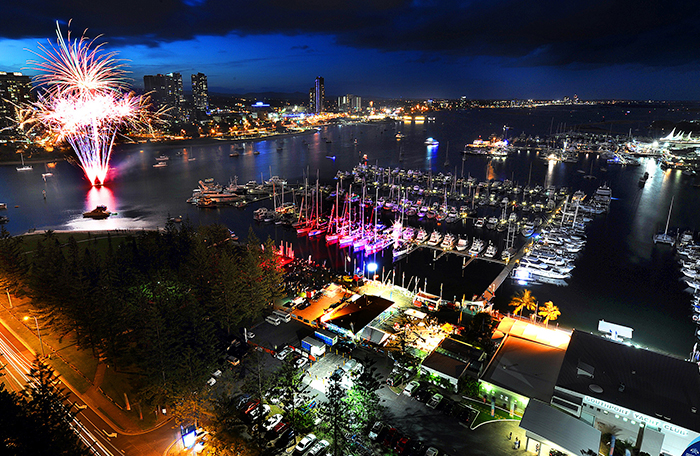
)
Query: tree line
[{"x": 160, "y": 304}]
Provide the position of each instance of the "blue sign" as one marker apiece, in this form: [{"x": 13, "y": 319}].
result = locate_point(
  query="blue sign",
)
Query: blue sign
[{"x": 693, "y": 449}]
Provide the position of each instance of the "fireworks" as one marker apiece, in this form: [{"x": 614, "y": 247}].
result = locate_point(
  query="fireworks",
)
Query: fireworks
[{"x": 84, "y": 101}]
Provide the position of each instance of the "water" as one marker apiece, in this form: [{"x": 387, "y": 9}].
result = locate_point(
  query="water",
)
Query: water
[{"x": 620, "y": 276}]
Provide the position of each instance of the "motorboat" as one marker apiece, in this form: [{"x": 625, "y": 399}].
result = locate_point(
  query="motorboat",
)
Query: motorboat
[
  {"x": 462, "y": 245},
  {"x": 448, "y": 242},
  {"x": 435, "y": 239},
  {"x": 476, "y": 247},
  {"x": 99, "y": 213},
  {"x": 422, "y": 236},
  {"x": 431, "y": 142},
  {"x": 491, "y": 251},
  {"x": 162, "y": 157},
  {"x": 160, "y": 164}
]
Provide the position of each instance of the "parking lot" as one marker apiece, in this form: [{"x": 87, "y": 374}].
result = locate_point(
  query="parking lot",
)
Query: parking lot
[{"x": 410, "y": 417}]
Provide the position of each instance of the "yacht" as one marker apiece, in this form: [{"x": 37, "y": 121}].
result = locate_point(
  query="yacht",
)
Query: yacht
[
  {"x": 99, "y": 213},
  {"x": 491, "y": 251},
  {"x": 462, "y": 245},
  {"x": 448, "y": 242},
  {"x": 162, "y": 157},
  {"x": 479, "y": 223},
  {"x": 24, "y": 167},
  {"x": 431, "y": 142},
  {"x": 435, "y": 239},
  {"x": 160, "y": 164},
  {"x": 477, "y": 247},
  {"x": 422, "y": 236}
]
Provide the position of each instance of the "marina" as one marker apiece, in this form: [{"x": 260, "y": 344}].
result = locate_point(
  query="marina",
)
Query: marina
[{"x": 618, "y": 269}]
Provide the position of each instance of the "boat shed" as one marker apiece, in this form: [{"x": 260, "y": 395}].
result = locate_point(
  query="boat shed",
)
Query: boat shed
[
  {"x": 350, "y": 319},
  {"x": 651, "y": 398}
]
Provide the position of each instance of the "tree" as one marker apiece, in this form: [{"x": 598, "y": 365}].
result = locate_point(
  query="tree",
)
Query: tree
[
  {"x": 363, "y": 400},
  {"x": 13, "y": 265},
  {"x": 335, "y": 414},
  {"x": 44, "y": 414},
  {"x": 226, "y": 431},
  {"x": 290, "y": 386},
  {"x": 549, "y": 311},
  {"x": 523, "y": 300}
]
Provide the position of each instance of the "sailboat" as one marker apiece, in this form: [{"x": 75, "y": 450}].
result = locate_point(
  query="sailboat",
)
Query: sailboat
[
  {"x": 664, "y": 237},
  {"x": 24, "y": 167}
]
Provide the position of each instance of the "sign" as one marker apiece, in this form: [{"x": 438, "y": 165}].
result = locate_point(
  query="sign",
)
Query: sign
[{"x": 649, "y": 421}]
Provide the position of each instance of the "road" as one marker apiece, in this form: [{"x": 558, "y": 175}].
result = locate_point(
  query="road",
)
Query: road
[{"x": 96, "y": 432}]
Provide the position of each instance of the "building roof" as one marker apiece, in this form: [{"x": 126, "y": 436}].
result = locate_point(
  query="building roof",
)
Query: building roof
[
  {"x": 525, "y": 367},
  {"x": 641, "y": 380},
  {"x": 444, "y": 364},
  {"x": 357, "y": 314},
  {"x": 459, "y": 350},
  {"x": 565, "y": 431}
]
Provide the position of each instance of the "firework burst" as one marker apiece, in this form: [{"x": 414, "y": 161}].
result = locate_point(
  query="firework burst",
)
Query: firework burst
[{"x": 85, "y": 101}]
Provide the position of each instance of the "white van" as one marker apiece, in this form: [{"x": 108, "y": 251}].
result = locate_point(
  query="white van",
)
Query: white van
[
  {"x": 273, "y": 320},
  {"x": 284, "y": 316}
]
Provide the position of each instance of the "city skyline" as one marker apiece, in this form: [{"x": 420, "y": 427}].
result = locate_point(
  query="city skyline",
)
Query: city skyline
[{"x": 512, "y": 49}]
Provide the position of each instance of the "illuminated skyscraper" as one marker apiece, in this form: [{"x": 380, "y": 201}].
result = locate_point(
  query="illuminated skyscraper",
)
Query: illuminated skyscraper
[
  {"x": 317, "y": 95},
  {"x": 349, "y": 103},
  {"x": 15, "y": 89},
  {"x": 200, "y": 93},
  {"x": 166, "y": 92}
]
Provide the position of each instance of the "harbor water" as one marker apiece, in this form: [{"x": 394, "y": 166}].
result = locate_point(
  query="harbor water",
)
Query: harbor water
[{"x": 620, "y": 276}]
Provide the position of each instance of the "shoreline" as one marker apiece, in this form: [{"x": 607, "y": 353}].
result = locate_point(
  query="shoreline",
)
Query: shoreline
[{"x": 168, "y": 144}]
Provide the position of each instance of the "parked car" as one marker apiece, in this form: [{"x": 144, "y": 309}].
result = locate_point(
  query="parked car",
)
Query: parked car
[
  {"x": 250, "y": 405},
  {"x": 318, "y": 448},
  {"x": 233, "y": 360},
  {"x": 434, "y": 401},
  {"x": 423, "y": 395},
  {"x": 431, "y": 451},
  {"x": 344, "y": 347},
  {"x": 259, "y": 412},
  {"x": 305, "y": 443},
  {"x": 390, "y": 437},
  {"x": 411, "y": 388},
  {"x": 377, "y": 428},
  {"x": 280, "y": 427},
  {"x": 272, "y": 421},
  {"x": 241, "y": 400},
  {"x": 417, "y": 449},
  {"x": 402, "y": 445},
  {"x": 301, "y": 362},
  {"x": 446, "y": 406},
  {"x": 284, "y": 353},
  {"x": 286, "y": 438}
]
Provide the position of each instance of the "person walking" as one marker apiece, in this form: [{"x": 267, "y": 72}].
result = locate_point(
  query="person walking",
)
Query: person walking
[{"x": 510, "y": 436}]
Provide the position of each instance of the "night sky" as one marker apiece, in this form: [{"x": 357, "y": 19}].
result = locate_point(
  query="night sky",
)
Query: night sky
[{"x": 597, "y": 49}]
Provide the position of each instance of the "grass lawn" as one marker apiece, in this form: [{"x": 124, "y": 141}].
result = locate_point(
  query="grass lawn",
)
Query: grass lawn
[
  {"x": 96, "y": 240},
  {"x": 484, "y": 415}
]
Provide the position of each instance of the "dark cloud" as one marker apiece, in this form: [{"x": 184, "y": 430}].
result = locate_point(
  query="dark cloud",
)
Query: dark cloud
[{"x": 531, "y": 32}]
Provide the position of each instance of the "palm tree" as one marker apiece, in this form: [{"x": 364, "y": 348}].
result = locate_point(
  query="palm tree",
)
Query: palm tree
[
  {"x": 549, "y": 311},
  {"x": 524, "y": 300}
]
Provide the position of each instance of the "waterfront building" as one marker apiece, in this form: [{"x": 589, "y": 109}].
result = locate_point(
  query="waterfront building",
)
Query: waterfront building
[
  {"x": 317, "y": 95},
  {"x": 349, "y": 103},
  {"x": 15, "y": 89},
  {"x": 200, "y": 94},
  {"x": 166, "y": 93},
  {"x": 582, "y": 384}
]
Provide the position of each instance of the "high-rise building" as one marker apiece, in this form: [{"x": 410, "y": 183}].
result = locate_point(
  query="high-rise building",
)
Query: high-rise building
[
  {"x": 317, "y": 95},
  {"x": 166, "y": 93},
  {"x": 15, "y": 89},
  {"x": 349, "y": 103},
  {"x": 200, "y": 93}
]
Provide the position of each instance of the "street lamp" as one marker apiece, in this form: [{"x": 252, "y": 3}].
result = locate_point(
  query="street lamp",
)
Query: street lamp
[{"x": 38, "y": 333}]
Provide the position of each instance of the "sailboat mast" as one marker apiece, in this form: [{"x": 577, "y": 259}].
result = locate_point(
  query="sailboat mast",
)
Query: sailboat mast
[{"x": 668, "y": 218}]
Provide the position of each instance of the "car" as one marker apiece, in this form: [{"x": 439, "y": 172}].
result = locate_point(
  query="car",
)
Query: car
[
  {"x": 402, "y": 444},
  {"x": 422, "y": 395},
  {"x": 304, "y": 305},
  {"x": 216, "y": 373},
  {"x": 411, "y": 388},
  {"x": 272, "y": 421},
  {"x": 286, "y": 438},
  {"x": 338, "y": 374},
  {"x": 233, "y": 360},
  {"x": 305, "y": 443},
  {"x": 301, "y": 362},
  {"x": 280, "y": 427},
  {"x": 416, "y": 449},
  {"x": 431, "y": 451},
  {"x": 284, "y": 353},
  {"x": 250, "y": 405},
  {"x": 259, "y": 412},
  {"x": 296, "y": 403},
  {"x": 434, "y": 401},
  {"x": 377, "y": 429},
  {"x": 211, "y": 381},
  {"x": 446, "y": 406},
  {"x": 318, "y": 448},
  {"x": 241, "y": 400},
  {"x": 390, "y": 437},
  {"x": 344, "y": 347}
]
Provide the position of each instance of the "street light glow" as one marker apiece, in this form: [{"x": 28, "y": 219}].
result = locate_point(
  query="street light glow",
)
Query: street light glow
[{"x": 371, "y": 267}]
